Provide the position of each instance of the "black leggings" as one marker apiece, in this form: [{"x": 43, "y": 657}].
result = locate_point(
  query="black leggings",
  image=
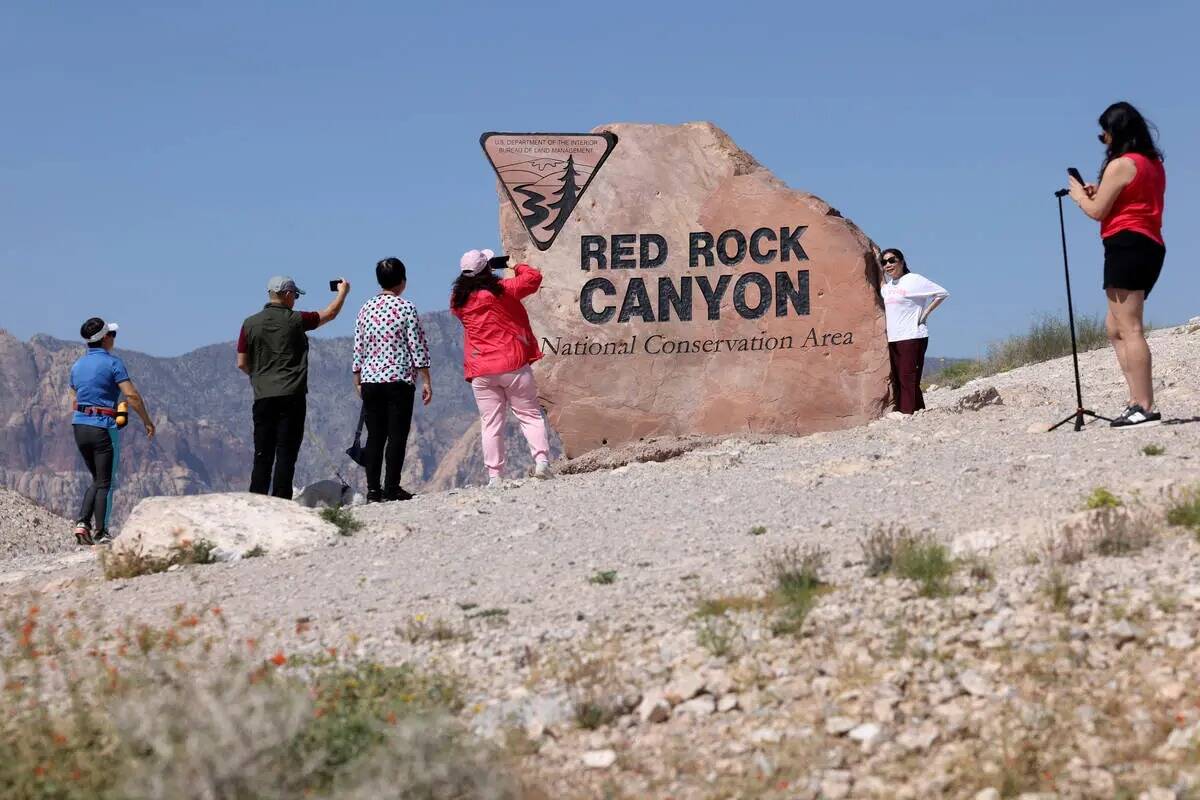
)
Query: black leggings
[
  {"x": 100, "y": 448},
  {"x": 387, "y": 409}
]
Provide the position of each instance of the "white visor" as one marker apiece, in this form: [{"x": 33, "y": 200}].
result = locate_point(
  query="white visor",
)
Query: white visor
[{"x": 110, "y": 327}]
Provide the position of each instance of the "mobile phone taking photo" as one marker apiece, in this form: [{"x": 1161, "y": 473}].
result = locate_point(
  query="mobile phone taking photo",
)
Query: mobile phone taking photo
[
  {"x": 498, "y": 262},
  {"x": 1074, "y": 173},
  {"x": 333, "y": 284}
]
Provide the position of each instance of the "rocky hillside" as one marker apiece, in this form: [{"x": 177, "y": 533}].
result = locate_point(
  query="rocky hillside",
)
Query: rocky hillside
[
  {"x": 201, "y": 404},
  {"x": 956, "y": 604}
]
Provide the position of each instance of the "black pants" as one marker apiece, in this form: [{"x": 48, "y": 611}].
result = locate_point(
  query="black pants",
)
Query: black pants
[
  {"x": 100, "y": 449},
  {"x": 387, "y": 408},
  {"x": 908, "y": 362},
  {"x": 278, "y": 432}
]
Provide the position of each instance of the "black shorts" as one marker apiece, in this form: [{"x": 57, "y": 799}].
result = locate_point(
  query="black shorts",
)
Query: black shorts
[{"x": 1132, "y": 261}]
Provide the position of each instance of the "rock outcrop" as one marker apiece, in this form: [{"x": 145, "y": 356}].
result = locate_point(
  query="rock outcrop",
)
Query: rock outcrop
[
  {"x": 235, "y": 524},
  {"x": 692, "y": 292}
]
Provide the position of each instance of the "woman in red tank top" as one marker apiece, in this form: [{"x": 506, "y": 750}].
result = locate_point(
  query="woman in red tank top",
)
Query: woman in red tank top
[{"x": 1129, "y": 204}]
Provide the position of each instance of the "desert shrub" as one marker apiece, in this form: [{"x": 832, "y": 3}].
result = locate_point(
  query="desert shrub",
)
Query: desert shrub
[
  {"x": 1184, "y": 510},
  {"x": 716, "y": 634},
  {"x": 758, "y": 530},
  {"x": 794, "y": 574},
  {"x": 178, "y": 712},
  {"x": 346, "y": 523},
  {"x": 1153, "y": 450},
  {"x": 604, "y": 577},
  {"x": 927, "y": 562},
  {"x": 420, "y": 628},
  {"x": 128, "y": 563},
  {"x": 1119, "y": 531},
  {"x": 719, "y": 606},
  {"x": 1048, "y": 337},
  {"x": 1101, "y": 498},
  {"x": 879, "y": 547}
]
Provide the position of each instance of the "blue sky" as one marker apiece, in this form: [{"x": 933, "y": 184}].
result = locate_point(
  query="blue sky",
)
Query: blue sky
[{"x": 158, "y": 163}]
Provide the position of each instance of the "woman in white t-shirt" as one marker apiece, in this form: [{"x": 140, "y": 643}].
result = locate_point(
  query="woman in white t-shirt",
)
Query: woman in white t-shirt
[{"x": 908, "y": 300}]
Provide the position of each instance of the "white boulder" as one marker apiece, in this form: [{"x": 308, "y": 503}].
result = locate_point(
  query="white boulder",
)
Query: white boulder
[{"x": 234, "y": 523}]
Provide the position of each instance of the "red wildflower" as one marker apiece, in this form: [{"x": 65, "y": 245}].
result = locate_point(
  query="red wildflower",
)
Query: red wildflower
[{"x": 279, "y": 659}]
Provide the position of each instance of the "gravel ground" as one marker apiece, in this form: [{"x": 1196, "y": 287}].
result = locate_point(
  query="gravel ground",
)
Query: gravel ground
[{"x": 981, "y": 480}]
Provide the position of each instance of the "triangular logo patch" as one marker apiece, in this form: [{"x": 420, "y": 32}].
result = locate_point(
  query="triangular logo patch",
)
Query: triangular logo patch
[{"x": 546, "y": 174}]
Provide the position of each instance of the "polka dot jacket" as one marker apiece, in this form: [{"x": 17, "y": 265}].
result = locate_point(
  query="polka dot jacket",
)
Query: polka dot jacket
[{"x": 389, "y": 342}]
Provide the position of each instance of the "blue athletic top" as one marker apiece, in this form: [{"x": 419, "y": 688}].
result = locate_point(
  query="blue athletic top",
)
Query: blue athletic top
[{"x": 94, "y": 377}]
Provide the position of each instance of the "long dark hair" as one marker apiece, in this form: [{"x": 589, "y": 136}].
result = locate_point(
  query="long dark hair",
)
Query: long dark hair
[
  {"x": 466, "y": 285},
  {"x": 896, "y": 252},
  {"x": 1130, "y": 132}
]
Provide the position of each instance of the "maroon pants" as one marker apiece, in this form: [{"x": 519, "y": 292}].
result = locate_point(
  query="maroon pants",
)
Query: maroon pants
[{"x": 908, "y": 361}]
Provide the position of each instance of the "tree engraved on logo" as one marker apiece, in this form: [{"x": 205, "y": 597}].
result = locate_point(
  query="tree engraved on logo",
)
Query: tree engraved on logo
[{"x": 546, "y": 174}]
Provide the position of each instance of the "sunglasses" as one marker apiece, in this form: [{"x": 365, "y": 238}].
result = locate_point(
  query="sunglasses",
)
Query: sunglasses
[
  {"x": 887, "y": 262},
  {"x": 1101, "y": 136}
]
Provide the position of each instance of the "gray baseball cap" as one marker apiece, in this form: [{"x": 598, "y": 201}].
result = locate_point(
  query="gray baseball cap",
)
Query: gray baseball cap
[{"x": 283, "y": 283}]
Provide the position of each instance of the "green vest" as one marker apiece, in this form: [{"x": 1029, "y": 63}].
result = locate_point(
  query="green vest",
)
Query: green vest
[{"x": 277, "y": 349}]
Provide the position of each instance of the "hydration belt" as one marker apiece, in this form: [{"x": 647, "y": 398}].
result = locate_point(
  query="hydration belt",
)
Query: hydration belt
[{"x": 96, "y": 411}]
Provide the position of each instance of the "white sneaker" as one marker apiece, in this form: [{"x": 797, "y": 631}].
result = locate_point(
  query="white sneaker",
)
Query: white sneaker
[
  {"x": 495, "y": 482},
  {"x": 542, "y": 470}
]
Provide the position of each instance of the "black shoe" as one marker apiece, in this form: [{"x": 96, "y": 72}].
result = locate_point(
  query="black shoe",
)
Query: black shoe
[
  {"x": 1136, "y": 415},
  {"x": 83, "y": 534},
  {"x": 374, "y": 496},
  {"x": 103, "y": 537},
  {"x": 397, "y": 494}
]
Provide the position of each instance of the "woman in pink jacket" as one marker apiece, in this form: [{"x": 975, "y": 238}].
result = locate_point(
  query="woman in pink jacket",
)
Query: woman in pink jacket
[{"x": 498, "y": 347}]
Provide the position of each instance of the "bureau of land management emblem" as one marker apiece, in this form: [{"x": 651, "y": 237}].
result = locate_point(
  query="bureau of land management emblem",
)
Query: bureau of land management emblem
[{"x": 546, "y": 174}]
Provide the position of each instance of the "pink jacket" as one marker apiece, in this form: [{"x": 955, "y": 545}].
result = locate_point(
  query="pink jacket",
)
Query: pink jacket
[{"x": 498, "y": 337}]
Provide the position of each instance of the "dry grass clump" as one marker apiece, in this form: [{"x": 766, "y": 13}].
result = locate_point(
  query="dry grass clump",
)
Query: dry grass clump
[
  {"x": 1107, "y": 530},
  {"x": 182, "y": 711},
  {"x": 419, "y": 628},
  {"x": 1185, "y": 510},
  {"x": 893, "y": 550},
  {"x": 794, "y": 574},
  {"x": 341, "y": 518},
  {"x": 1048, "y": 337},
  {"x": 132, "y": 563}
]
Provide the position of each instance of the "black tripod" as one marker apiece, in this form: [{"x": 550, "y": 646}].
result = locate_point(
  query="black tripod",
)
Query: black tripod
[{"x": 1080, "y": 412}]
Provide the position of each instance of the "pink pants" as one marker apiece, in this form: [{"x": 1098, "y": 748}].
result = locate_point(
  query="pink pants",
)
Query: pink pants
[{"x": 494, "y": 394}]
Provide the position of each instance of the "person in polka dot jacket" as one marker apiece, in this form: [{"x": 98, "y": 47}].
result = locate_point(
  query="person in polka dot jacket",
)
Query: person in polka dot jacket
[{"x": 390, "y": 350}]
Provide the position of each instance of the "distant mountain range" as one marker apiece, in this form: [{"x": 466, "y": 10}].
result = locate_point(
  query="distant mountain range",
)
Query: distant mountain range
[{"x": 201, "y": 405}]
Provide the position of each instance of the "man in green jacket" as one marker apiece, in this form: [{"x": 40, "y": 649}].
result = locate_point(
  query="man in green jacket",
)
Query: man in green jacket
[{"x": 273, "y": 350}]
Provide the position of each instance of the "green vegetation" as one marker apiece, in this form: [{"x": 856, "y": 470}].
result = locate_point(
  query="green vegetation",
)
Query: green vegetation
[
  {"x": 926, "y": 562},
  {"x": 258, "y": 551},
  {"x": 604, "y": 577},
  {"x": 1153, "y": 450},
  {"x": 1102, "y": 498},
  {"x": 184, "y": 711},
  {"x": 716, "y": 635},
  {"x": 892, "y": 550},
  {"x": 758, "y": 530},
  {"x": 795, "y": 577},
  {"x": 1185, "y": 510},
  {"x": 1048, "y": 337},
  {"x": 341, "y": 517}
]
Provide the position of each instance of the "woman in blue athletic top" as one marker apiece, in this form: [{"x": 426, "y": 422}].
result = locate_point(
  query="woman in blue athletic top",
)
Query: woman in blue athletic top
[{"x": 98, "y": 380}]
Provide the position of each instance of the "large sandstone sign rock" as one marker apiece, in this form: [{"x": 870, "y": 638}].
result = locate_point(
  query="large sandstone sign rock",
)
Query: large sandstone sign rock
[{"x": 691, "y": 291}]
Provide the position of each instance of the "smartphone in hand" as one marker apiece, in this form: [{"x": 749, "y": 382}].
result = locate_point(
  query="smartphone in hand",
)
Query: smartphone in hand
[
  {"x": 333, "y": 284},
  {"x": 1074, "y": 173},
  {"x": 498, "y": 262}
]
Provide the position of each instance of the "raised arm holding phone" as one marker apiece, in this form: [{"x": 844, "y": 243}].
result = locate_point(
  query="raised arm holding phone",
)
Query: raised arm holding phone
[{"x": 1128, "y": 202}]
